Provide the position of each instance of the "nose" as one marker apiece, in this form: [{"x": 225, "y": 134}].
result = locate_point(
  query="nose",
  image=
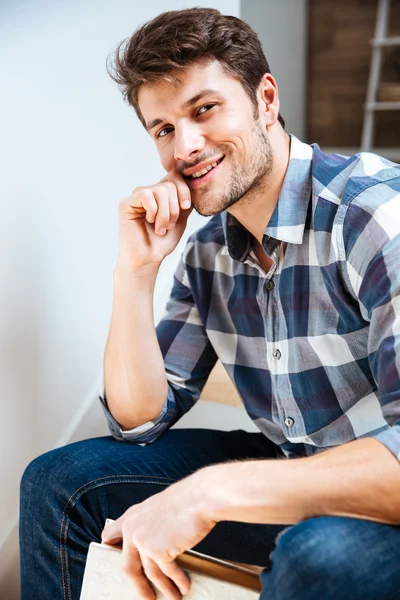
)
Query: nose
[{"x": 189, "y": 141}]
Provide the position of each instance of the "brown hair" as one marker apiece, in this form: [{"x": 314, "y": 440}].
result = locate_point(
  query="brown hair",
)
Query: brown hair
[{"x": 176, "y": 39}]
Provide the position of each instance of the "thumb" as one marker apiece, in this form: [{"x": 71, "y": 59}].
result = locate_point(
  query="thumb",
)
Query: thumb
[{"x": 112, "y": 531}]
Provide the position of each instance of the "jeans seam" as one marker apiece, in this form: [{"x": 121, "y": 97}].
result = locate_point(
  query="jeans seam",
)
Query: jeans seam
[{"x": 90, "y": 485}]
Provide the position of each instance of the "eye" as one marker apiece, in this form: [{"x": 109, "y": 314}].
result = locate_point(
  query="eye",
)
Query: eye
[
  {"x": 165, "y": 130},
  {"x": 207, "y": 106},
  {"x": 161, "y": 134}
]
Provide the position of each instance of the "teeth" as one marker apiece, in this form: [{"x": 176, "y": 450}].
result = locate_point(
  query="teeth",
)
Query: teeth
[{"x": 204, "y": 171}]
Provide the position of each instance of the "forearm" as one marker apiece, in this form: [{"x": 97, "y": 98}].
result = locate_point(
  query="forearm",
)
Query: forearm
[
  {"x": 360, "y": 479},
  {"x": 134, "y": 375}
]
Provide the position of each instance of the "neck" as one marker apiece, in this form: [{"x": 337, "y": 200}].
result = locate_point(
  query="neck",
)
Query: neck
[{"x": 255, "y": 212}]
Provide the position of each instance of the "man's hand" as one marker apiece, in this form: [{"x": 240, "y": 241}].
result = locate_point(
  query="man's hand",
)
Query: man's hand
[
  {"x": 152, "y": 221},
  {"x": 156, "y": 531}
]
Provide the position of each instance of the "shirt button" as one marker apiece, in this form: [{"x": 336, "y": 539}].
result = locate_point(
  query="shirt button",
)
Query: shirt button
[
  {"x": 276, "y": 354},
  {"x": 270, "y": 285},
  {"x": 289, "y": 421}
]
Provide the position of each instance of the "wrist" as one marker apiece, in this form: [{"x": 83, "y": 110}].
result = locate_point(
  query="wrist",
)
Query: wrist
[
  {"x": 145, "y": 271},
  {"x": 209, "y": 498}
]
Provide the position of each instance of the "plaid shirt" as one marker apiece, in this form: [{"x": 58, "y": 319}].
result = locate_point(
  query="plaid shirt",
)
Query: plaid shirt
[{"x": 312, "y": 346}]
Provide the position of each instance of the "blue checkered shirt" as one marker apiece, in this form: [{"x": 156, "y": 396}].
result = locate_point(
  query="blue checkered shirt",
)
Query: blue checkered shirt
[{"x": 312, "y": 346}]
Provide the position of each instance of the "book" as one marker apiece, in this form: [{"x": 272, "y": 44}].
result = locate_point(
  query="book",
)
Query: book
[{"x": 211, "y": 578}]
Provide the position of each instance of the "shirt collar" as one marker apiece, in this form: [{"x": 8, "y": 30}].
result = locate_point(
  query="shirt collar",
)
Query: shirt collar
[{"x": 289, "y": 217}]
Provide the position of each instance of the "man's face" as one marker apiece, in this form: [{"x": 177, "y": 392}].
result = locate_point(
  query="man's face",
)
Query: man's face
[{"x": 205, "y": 119}]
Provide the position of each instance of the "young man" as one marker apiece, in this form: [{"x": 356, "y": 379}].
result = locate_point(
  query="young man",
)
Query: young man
[{"x": 294, "y": 285}]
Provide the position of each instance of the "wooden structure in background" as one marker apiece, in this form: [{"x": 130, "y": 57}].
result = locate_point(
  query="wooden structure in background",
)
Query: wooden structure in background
[
  {"x": 338, "y": 69},
  {"x": 219, "y": 388}
]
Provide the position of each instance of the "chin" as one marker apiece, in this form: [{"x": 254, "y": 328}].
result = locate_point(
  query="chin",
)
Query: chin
[
  {"x": 208, "y": 204},
  {"x": 207, "y": 210}
]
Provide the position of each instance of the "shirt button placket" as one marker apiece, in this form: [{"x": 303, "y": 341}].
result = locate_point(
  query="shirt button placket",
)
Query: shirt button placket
[
  {"x": 270, "y": 285},
  {"x": 289, "y": 422}
]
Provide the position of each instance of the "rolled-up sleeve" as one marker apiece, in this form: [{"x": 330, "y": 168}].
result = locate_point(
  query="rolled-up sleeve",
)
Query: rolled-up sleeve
[
  {"x": 142, "y": 433},
  {"x": 188, "y": 360},
  {"x": 371, "y": 241}
]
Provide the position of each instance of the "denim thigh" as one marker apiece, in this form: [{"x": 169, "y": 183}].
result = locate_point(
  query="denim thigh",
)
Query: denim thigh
[
  {"x": 334, "y": 558},
  {"x": 67, "y": 493}
]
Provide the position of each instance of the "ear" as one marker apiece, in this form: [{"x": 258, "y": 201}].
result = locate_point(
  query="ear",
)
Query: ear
[{"x": 268, "y": 99}]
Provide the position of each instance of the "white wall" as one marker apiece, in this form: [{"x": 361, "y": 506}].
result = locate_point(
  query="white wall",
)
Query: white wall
[
  {"x": 70, "y": 150},
  {"x": 282, "y": 29}
]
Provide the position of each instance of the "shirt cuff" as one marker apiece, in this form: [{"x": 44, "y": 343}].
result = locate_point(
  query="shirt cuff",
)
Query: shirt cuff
[
  {"x": 142, "y": 434},
  {"x": 391, "y": 439}
]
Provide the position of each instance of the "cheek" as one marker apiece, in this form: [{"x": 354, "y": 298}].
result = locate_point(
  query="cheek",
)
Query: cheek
[
  {"x": 234, "y": 137},
  {"x": 235, "y": 129},
  {"x": 235, "y": 142},
  {"x": 167, "y": 158}
]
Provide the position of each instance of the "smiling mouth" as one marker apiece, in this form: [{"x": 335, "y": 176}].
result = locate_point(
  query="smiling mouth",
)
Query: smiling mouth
[{"x": 207, "y": 175}]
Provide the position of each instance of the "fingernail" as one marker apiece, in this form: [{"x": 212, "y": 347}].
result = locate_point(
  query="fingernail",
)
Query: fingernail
[
  {"x": 186, "y": 203},
  {"x": 162, "y": 231}
]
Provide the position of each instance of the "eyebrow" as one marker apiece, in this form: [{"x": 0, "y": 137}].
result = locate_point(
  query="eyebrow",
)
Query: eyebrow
[{"x": 185, "y": 105}]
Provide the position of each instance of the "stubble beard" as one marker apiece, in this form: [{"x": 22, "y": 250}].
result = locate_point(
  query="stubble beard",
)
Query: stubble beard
[{"x": 245, "y": 181}]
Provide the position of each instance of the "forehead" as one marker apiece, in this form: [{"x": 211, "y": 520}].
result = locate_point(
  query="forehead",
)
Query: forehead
[{"x": 155, "y": 99}]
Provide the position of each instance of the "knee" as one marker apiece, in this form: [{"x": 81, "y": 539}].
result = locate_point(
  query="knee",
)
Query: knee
[
  {"x": 309, "y": 556},
  {"x": 57, "y": 474},
  {"x": 65, "y": 474},
  {"x": 42, "y": 476},
  {"x": 314, "y": 548}
]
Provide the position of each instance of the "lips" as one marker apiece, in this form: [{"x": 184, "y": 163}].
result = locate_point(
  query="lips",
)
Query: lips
[
  {"x": 204, "y": 174},
  {"x": 198, "y": 168},
  {"x": 194, "y": 182}
]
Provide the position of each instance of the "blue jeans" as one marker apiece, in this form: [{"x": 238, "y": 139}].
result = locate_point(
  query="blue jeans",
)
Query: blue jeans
[{"x": 67, "y": 494}]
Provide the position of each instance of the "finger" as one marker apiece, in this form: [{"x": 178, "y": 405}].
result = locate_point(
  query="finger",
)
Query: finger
[
  {"x": 112, "y": 533},
  {"x": 183, "y": 192},
  {"x": 141, "y": 201},
  {"x": 174, "y": 209},
  {"x": 161, "y": 195},
  {"x": 162, "y": 582},
  {"x": 132, "y": 569},
  {"x": 174, "y": 572},
  {"x": 132, "y": 207},
  {"x": 182, "y": 189},
  {"x": 150, "y": 205}
]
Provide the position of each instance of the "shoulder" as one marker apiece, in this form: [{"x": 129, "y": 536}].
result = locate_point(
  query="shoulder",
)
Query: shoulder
[
  {"x": 371, "y": 203},
  {"x": 365, "y": 188},
  {"x": 353, "y": 179}
]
